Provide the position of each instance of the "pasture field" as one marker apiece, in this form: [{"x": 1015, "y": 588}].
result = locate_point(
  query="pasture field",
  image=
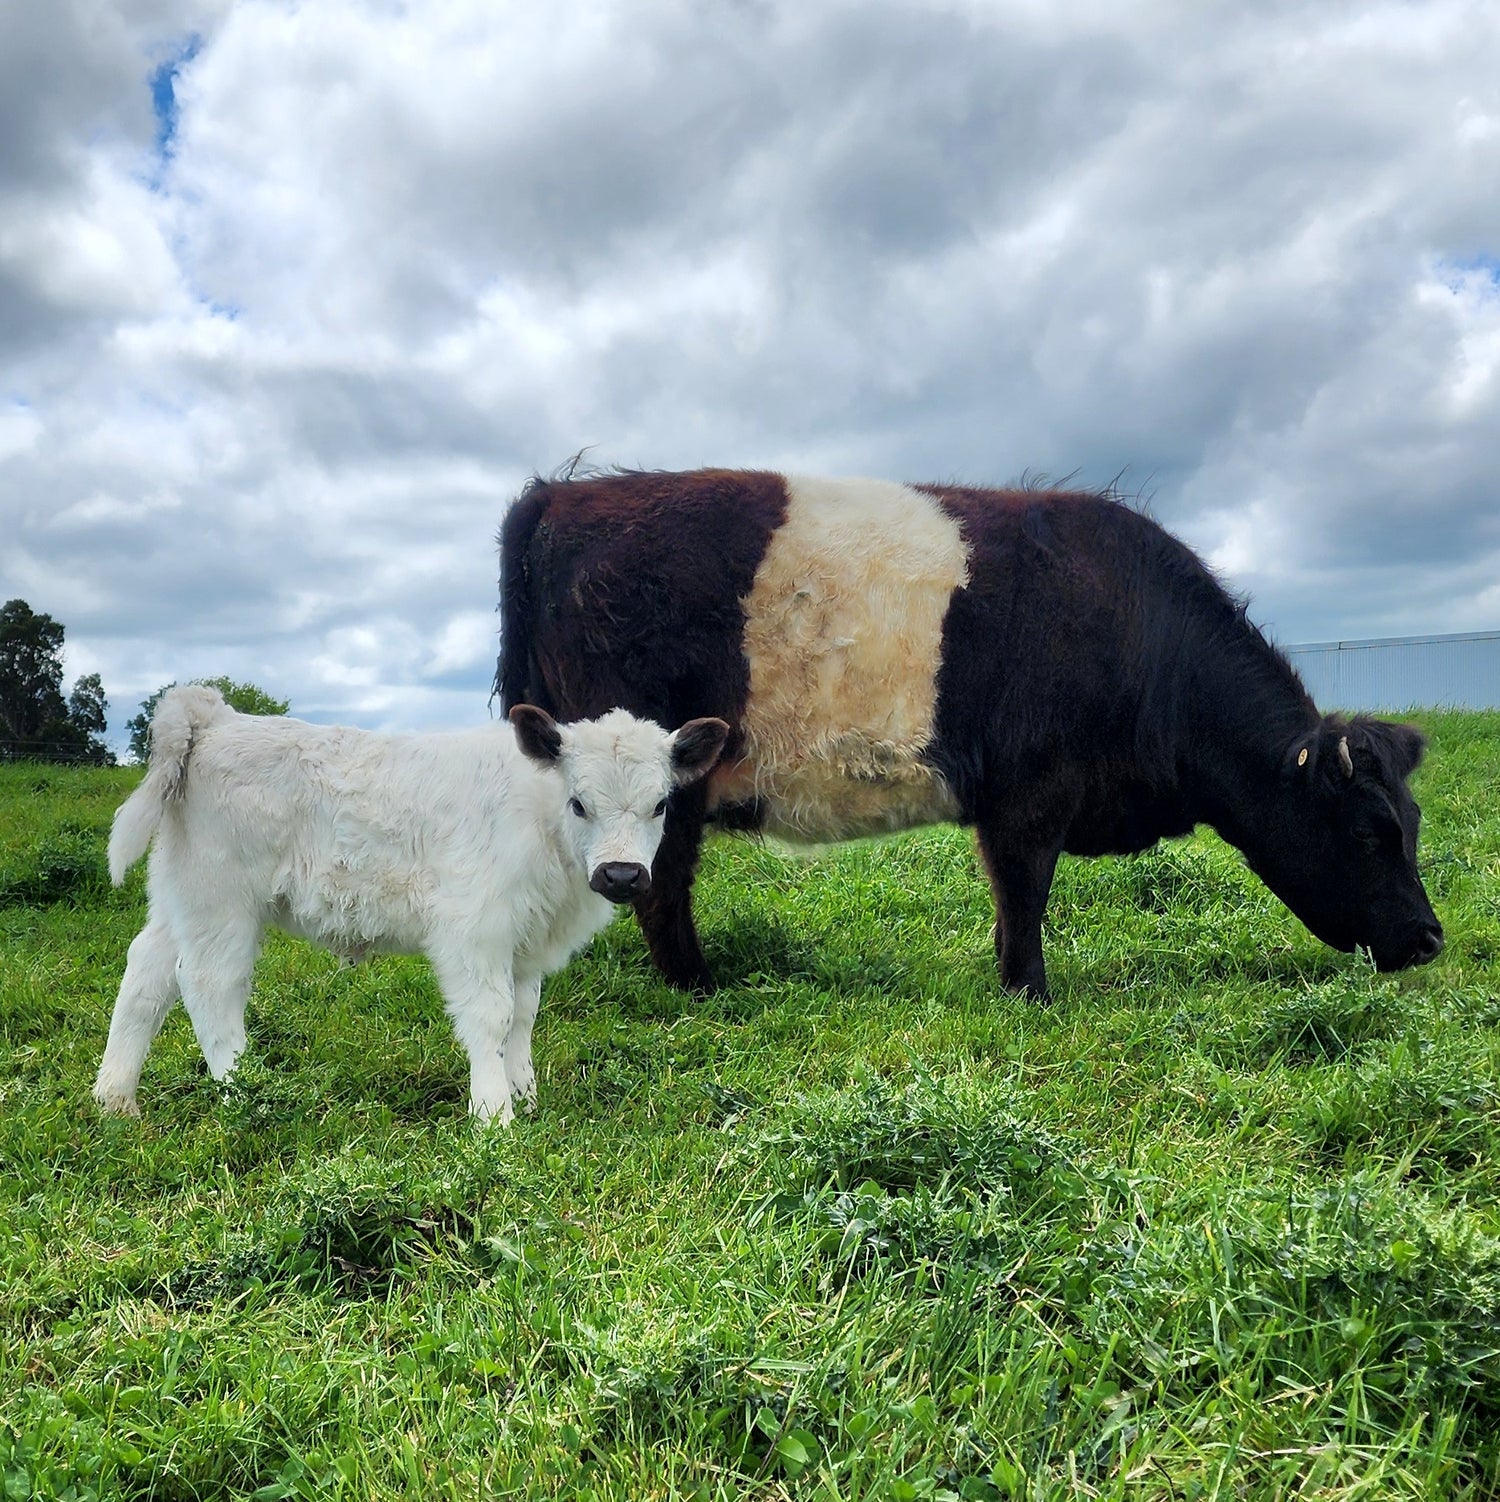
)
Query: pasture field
[{"x": 1222, "y": 1220}]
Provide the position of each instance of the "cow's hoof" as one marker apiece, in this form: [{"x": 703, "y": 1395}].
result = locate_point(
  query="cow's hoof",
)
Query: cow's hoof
[
  {"x": 694, "y": 982},
  {"x": 1030, "y": 990}
]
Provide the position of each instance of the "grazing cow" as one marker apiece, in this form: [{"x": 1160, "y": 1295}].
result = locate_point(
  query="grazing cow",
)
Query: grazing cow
[
  {"x": 1050, "y": 667},
  {"x": 495, "y": 852}
]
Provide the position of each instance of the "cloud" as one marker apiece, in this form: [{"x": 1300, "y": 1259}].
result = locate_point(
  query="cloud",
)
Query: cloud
[{"x": 294, "y": 297}]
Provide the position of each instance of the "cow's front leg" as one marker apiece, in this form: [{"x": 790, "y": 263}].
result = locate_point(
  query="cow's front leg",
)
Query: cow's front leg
[
  {"x": 480, "y": 994},
  {"x": 1021, "y": 872},
  {"x": 665, "y": 913}
]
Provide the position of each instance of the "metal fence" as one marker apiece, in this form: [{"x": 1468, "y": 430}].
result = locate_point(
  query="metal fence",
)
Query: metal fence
[
  {"x": 1403, "y": 672},
  {"x": 96, "y": 754}
]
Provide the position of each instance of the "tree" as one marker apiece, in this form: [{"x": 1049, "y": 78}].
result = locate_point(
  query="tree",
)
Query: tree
[
  {"x": 30, "y": 672},
  {"x": 87, "y": 706},
  {"x": 35, "y": 720},
  {"x": 245, "y": 697}
]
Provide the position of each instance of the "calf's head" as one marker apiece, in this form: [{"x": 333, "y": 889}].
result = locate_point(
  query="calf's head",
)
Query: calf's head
[
  {"x": 1337, "y": 842},
  {"x": 618, "y": 772}
]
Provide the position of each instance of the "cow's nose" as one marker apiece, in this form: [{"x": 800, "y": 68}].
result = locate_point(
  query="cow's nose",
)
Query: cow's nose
[
  {"x": 1429, "y": 945},
  {"x": 620, "y": 881}
]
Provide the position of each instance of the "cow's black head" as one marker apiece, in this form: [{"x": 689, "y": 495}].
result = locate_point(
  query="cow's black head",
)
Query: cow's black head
[{"x": 1338, "y": 840}]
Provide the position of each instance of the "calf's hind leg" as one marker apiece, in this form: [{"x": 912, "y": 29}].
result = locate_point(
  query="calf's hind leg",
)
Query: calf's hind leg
[
  {"x": 665, "y": 913},
  {"x": 146, "y": 996},
  {"x": 214, "y": 972}
]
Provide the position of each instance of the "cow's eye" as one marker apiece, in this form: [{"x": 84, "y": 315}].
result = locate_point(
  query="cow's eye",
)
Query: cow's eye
[
  {"x": 578, "y": 808},
  {"x": 1377, "y": 837},
  {"x": 659, "y": 810}
]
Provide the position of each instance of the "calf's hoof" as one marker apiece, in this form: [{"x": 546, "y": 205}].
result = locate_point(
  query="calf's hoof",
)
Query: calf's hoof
[
  {"x": 116, "y": 1103},
  {"x": 490, "y": 1114}
]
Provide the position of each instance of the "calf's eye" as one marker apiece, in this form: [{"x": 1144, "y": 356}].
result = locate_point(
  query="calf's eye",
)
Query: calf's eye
[
  {"x": 578, "y": 808},
  {"x": 659, "y": 810}
]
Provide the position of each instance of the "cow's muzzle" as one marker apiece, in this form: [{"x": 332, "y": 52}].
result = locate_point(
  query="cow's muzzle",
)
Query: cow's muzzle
[
  {"x": 1422, "y": 949},
  {"x": 1429, "y": 945},
  {"x": 621, "y": 881}
]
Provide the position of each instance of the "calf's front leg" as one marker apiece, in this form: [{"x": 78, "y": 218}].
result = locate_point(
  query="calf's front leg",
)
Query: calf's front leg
[
  {"x": 480, "y": 995},
  {"x": 518, "y": 1067}
]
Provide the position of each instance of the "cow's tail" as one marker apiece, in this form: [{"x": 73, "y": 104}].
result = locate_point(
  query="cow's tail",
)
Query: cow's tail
[
  {"x": 181, "y": 713},
  {"x": 516, "y": 678}
]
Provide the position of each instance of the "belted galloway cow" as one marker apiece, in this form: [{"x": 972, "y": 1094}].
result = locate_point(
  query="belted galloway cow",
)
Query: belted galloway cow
[{"x": 1050, "y": 667}]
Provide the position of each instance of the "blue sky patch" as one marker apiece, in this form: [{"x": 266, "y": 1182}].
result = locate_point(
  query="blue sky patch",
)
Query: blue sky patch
[
  {"x": 1460, "y": 268},
  {"x": 164, "y": 92}
]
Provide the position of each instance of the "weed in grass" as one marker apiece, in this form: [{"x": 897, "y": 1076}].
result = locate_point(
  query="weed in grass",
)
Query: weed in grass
[
  {"x": 1411, "y": 1104},
  {"x": 935, "y": 1174},
  {"x": 1324, "y": 1022},
  {"x": 959, "y": 1130}
]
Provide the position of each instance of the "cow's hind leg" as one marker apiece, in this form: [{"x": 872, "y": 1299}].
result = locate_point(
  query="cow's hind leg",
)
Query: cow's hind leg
[
  {"x": 1021, "y": 871},
  {"x": 665, "y": 913},
  {"x": 146, "y": 996}
]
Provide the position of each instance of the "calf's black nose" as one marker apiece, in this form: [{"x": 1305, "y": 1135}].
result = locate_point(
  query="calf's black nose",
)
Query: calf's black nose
[{"x": 621, "y": 881}]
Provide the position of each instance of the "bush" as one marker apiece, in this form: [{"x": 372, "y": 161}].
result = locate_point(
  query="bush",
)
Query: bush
[{"x": 65, "y": 863}]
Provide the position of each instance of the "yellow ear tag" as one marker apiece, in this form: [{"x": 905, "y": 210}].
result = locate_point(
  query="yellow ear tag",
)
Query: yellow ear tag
[{"x": 1302, "y": 757}]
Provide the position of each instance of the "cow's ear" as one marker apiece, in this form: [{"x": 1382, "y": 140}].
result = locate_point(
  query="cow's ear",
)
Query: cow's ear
[
  {"x": 537, "y": 733},
  {"x": 1411, "y": 747},
  {"x": 1323, "y": 757},
  {"x": 695, "y": 749},
  {"x": 1401, "y": 747}
]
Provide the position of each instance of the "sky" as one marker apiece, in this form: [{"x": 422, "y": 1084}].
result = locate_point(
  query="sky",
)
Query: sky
[{"x": 295, "y": 297}]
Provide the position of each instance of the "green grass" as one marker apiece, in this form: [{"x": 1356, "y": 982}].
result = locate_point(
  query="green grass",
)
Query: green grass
[{"x": 1223, "y": 1220}]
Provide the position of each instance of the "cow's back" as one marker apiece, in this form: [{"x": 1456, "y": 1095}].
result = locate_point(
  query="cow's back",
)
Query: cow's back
[{"x": 885, "y": 653}]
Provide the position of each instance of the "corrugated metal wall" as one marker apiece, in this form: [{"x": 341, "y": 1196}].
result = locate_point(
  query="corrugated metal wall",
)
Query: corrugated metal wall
[{"x": 1403, "y": 672}]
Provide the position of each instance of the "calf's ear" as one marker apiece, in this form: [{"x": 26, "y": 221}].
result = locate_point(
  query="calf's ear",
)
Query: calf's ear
[
  {"x": 537, "y": 733},
  {"x": 695, "y": 749}
]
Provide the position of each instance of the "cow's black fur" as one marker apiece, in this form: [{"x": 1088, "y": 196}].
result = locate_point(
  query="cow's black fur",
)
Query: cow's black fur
[
  {"x": 627, "y": 590},
  {"x": 1098, "y": 690}
]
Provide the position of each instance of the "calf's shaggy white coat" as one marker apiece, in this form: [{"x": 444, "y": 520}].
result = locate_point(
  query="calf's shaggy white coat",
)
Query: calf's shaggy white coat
[{"x": 496, "y": 852}]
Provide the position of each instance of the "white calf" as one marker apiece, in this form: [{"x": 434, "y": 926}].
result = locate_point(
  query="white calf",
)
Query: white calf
[{"x": 495, "y": 852}]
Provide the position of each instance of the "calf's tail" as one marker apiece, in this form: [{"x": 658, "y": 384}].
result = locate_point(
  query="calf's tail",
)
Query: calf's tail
[{"x": 180, "y": 714}]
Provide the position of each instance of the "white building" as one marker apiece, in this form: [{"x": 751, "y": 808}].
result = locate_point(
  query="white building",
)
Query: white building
[{"x": 1396, "y": 673}]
